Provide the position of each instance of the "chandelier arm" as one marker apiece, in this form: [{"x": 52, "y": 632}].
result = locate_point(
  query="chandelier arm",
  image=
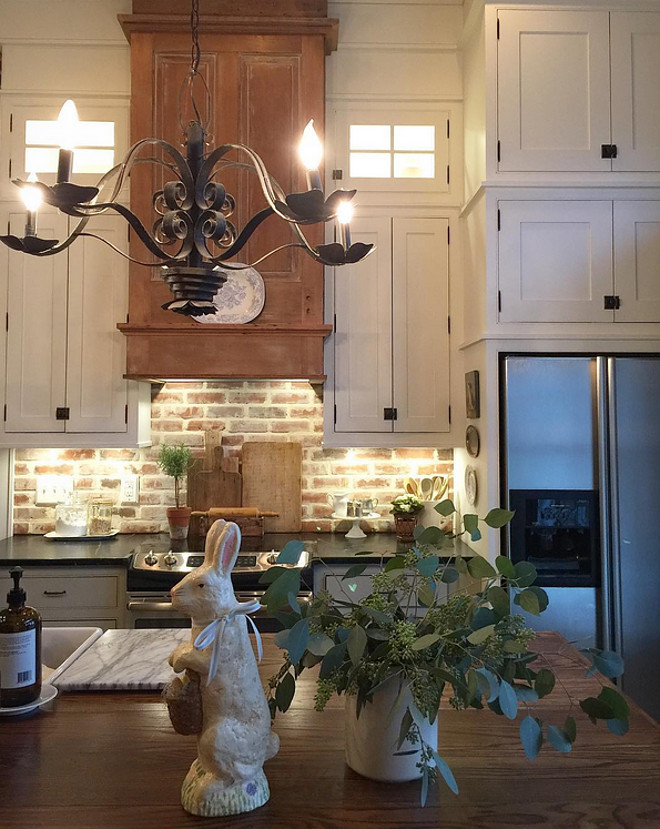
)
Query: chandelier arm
[
  {"x": 145, "y": 237},
  {"x": 121, "y": 252},
  {"x": 244, "y": 235},
  {"x": 218, "y": 260}
]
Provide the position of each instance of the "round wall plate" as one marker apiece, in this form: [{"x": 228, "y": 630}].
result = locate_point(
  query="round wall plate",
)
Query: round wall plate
[
  {"x": 471, "y": 485},
  {"x": 472, "y": 442}
]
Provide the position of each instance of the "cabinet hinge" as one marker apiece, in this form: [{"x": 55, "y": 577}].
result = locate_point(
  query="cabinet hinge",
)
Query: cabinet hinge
[
  {"x": 128, "y": 316},
  {"x": 608, "y": 150},
  {"x": 449, "y": 407},
  {"x": 498, "y": 28},
  {"x": 448, "y": 235},
  {"x": 447, "y": 173},
  {"x": 126, "y": 413},
  {"x": 335, "y": 413},
  {"x": 499, "y": 219},
  {"x": 62, "y": 413},
  {"x": 7, "y": 321},
  {"x": 4, "y": 416},
  {"x": 612, "y": 303},
  {"x": 337, "y": 175},
  {"x": 10, "y": 168},
  {"x": 11, "y": 122},
  {"x": 389, "y": 414},
  {"x": 499, "y": 150},
  {"x": 334, "y": 323},
  {"x": 447, "y": 127},
  {"x": 499, "y": 301},
  {"x": 449, "y": 325}
]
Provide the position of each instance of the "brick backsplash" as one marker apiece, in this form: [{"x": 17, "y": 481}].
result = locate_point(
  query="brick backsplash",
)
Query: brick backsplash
[{"x": 242, "y": 410}]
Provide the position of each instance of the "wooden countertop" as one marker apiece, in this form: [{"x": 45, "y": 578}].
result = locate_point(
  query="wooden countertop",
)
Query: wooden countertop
[{"x": 112, "y": 760}]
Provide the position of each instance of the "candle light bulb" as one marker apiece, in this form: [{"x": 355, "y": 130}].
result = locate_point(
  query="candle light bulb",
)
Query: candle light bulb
[
  {"x": 344, "y": 212},
  {"x": 67, "y": 124},
  {"x": 31, "y": 195},
  {"x": 311, "y": 149}
]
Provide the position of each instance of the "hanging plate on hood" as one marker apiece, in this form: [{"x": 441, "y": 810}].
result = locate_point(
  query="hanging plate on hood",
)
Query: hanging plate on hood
[{"x": 241, "y": 298}]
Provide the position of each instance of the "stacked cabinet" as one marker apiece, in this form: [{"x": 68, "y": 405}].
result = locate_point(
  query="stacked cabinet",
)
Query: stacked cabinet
[
  {"x": 63, "y": 353},
  {"x": 391, "y": 341}
]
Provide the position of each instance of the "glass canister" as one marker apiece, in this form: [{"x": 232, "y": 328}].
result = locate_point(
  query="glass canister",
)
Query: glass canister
[
  {"x": 71, "y": 519},
  {"x": 99, "y": 517}
]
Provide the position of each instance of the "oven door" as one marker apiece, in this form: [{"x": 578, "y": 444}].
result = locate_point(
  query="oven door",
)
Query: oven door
[{"x": 155, "y": 610}]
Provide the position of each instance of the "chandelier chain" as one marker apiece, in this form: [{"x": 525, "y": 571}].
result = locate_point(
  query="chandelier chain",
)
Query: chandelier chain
[{"x": 194, "y": 29}]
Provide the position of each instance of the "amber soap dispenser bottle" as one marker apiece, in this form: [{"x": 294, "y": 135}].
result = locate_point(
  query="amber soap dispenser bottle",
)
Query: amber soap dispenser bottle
[{"x": 20, "y": 648}]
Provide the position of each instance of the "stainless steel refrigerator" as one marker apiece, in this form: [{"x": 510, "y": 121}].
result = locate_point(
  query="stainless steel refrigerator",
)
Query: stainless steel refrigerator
[{"x": 581, "y": 466}]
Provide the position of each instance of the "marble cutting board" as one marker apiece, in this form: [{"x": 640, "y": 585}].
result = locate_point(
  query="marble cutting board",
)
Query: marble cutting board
[{"x": 124, "y": 660}]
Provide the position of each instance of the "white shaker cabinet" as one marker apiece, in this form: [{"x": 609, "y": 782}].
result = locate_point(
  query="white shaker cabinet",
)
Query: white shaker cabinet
[
  {"x": 578, "y": 91},
  {"x": 391, "y": 339},
  {"x": 64, "y": 355},
  {"x": 579, "y": 261}
]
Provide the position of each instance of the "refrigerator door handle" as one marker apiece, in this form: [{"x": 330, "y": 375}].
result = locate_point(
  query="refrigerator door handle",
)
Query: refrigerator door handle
[
  {"x": 613, "y": 565},
  {"x": 604, "y": 414}
]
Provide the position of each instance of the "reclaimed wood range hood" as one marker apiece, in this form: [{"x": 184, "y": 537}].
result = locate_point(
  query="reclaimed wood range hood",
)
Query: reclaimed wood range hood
[{"x": 264, "y": 63}]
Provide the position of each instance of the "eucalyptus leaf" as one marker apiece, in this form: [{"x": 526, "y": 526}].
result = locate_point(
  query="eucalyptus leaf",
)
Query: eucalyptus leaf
[
  {"x": 294, "y": 604},
  {"x": 378, "y": 616},
  {"x": 319, "y": 644},
  {"x": 499, "y": 600},
  {"x": 597, "y": 709},
  {"x": 357, "y": 642},
  {"x": 483, "y": 617},
  {"x": 425, "y": 787},
  {"x": 426, "y": 595},
  {"x": 461, "y": 565},
  {"x": 355, "y": 570},
  {"x": 508, "y": 700},
  {"x": 431, "y": 535},
  {"x": 285, "y": 691},
  {"x": 570, "y": 729},
  {"x": 608, "y": 663},
  {"x": 395, "y": 563},
  {"x": 528, "y": 601},
  {"x": 558, "y": 739},
  {"x": 479, "y": 636},
  {"x": 332, "y": 660},
  {"x": 525, "y": 693},
  {"x": 479, "y": 568},
  {"x": 290, "y": 553},
  {"x": 445, "y": 772},
  {"x": 425, "y": 641},
  {"x": 404, "y": 728},
  {"x": 427, "y": 566},
  {"x": 618, "y": 727},
  {"x": 505, "y": 567},
  {"x": 541, "y": 596},
  {"x": 277, "y": 593},
  {"x": 531, "y": 737},
  {"x": 498, "y": 517},
  {"x": 488, "y": 683},
  {"x": 445, "y": 507},
  {"x": 616, "y": 702},
  {"x": 524, "y": 573},
  {"x": 471, "y": 523},
  {"x": 449, "y": 575},
  {"x": 544, "y": 682},
  {"x": 297, "y": 640}
]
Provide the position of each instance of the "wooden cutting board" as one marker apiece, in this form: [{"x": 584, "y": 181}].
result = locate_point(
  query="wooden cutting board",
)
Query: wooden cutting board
[
  {"x": 272, "y": 480},
  {"x": 209, "y": 484}
]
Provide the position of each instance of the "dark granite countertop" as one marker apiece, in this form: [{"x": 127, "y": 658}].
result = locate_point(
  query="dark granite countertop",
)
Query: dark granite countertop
[{"x": 37, "y": 551}]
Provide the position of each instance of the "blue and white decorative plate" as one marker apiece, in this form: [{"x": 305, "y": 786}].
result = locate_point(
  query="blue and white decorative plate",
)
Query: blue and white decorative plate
[{"x": 241, "y": 299}]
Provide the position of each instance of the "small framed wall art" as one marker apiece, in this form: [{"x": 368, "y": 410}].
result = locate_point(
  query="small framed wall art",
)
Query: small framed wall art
[{"x": 472, "y": 394}]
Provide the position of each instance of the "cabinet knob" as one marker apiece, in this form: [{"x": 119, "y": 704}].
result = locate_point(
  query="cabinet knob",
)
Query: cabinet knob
[{"x": 54, "y": 592}]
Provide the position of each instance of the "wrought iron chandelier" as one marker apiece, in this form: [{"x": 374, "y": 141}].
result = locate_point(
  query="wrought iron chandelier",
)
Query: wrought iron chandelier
[{"x": 192, "y": 238}]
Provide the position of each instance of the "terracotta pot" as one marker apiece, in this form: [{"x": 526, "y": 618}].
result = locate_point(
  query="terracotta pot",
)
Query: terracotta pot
[
  {"x": 179, "y": 519},
  {"x": 404, "y": 526},
  {"x": 370, "y": 739}
]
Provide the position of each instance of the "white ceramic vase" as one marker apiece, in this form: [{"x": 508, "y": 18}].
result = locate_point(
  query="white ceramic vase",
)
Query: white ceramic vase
[{"x": 371, "y": 741}]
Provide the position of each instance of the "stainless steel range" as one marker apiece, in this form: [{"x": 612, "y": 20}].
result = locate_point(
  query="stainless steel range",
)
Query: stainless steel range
[{"x": 153, "y": 572}]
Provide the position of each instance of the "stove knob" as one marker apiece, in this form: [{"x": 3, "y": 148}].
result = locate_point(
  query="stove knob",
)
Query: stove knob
[
  {"x": 170, "y": 559},
  {"x": 151, "y": 558},
  {"x": 272, "y": 557}
]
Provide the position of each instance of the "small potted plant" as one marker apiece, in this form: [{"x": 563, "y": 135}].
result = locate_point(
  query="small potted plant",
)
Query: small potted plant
[
  {"x": 433, "y": 620},
  {"x": 175, "y": 462},
  {"x": 405, "y": 509}
]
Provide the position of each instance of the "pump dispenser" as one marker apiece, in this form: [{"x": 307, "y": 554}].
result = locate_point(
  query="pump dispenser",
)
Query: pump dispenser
[{"x": 20, "y": 648}]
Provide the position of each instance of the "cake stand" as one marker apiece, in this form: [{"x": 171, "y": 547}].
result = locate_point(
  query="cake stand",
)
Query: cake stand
[{"x": 356, "y": 531}]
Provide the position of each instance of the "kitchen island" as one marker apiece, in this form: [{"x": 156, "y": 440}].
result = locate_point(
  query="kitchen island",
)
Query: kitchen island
[{"x": 98, "y": 760}]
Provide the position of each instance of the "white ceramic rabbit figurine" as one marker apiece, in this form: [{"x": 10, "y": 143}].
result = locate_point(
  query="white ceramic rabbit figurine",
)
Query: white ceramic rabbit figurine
[{"x": 235, "y": 738}]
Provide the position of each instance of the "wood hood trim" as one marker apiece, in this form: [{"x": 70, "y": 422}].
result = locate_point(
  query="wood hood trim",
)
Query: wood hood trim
[
  {"x": 161, "y": 352},
  {"x": 327, "y": 27}
]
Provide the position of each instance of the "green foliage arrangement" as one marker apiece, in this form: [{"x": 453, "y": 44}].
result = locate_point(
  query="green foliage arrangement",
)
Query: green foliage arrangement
[
  {"x": 406, "y": 628},
  {"x": 175, "y": 460},
  {"x": 406, "y": 505}
]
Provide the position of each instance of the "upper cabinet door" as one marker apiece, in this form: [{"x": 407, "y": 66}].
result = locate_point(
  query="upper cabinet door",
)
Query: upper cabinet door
[
  {"x": 637, "y": 260},
  {"x": 420, "y": 309},
  {"x": 363, "y": 333},
  {"x": 98, "y": 300},
  {"x": 635, "y": 54},
  {"x": 553, "y": 90},
  {"x": 555, "y": 261},
  {"x": 36, "y": 335}
]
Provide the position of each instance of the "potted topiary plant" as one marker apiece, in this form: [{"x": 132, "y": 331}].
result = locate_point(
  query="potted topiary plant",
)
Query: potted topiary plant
[
  {"x": 175, "y": 460},
  {"x": 393, "y": 652},
  {"x": 405, "y": 509}
]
